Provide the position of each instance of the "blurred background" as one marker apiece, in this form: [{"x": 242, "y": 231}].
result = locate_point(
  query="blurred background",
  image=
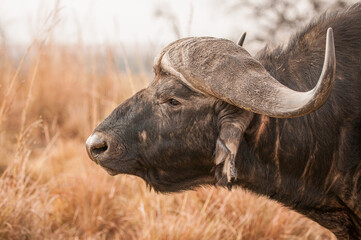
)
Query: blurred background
[{"x": 64, "y": 65}]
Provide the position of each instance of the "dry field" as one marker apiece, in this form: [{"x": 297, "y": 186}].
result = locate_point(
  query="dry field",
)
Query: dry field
[{"x": 50, "y": 100}]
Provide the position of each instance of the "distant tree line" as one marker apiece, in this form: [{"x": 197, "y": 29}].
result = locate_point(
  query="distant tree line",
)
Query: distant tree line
[
  {"x": 274, "y": 20},
  {"x": 277, "y": 17}
]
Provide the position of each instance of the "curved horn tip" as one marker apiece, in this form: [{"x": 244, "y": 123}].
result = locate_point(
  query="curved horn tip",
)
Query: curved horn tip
[
  {"x": 330, "y": 55},
  {"x": 304, "y": 103},
  {"x": 241, "y": 40},
  {"x": 326, "y": 80},
  {"x": 330, "y": 45}
]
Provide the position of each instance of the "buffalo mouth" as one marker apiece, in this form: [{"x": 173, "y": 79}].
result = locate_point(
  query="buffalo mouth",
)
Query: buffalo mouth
[
  {"x": 119, "y": 166},
  {"x": 167, "y": 182},
  {"x": 161, "y": 180}
]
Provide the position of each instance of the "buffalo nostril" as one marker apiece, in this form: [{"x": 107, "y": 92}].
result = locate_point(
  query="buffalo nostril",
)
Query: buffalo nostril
[
  {"x": 96, "y": 145},
  {"x": 99, "y": 149}
]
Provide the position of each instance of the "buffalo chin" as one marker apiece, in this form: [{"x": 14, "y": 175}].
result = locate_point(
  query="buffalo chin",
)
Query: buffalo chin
[
  {"x": 168, "y": 185},
  {"x": 110, "y": 171}
]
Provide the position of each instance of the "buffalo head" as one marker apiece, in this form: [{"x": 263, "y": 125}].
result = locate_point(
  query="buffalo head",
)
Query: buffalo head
[{"x": 184, "y": 130}]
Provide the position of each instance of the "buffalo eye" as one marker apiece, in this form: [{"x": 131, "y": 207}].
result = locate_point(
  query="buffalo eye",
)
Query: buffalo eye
[{"x": 173, "y": 102}]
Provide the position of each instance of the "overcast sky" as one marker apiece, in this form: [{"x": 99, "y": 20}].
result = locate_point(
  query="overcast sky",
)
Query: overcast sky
[
  {"x": 103, "y": 21},
  {"x": 131, "y": 21}
]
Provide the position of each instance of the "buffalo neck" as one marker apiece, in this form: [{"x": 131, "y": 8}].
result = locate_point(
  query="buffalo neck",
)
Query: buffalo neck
[{"x": 279, "y": 159}]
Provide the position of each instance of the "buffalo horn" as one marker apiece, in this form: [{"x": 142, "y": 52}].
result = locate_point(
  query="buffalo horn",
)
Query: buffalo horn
[
  {"x": 241, "y": 40},
  {"x": 220, "y": 68}
]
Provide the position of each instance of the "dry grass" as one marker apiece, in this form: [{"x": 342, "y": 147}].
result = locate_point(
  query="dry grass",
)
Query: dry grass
[{"x": 49, "y": 104}]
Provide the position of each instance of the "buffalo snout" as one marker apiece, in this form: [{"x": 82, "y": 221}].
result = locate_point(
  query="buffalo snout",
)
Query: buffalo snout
[
  {"x": 104, "y": 150},
  {"x": 97, "y": 145}
]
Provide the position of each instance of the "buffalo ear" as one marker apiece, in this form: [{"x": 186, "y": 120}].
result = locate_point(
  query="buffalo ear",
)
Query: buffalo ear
[{"x": 232, "y": 127}]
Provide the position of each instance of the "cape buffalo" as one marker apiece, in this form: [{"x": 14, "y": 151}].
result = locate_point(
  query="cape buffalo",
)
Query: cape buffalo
[{"x": 285, "y": 124}]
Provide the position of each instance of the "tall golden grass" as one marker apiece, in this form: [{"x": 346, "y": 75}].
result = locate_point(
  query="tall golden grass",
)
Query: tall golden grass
[{"x": 50, "y": 101}]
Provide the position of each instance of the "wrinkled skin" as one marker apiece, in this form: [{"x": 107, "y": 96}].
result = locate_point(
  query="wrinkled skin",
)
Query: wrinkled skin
[{"x": 155, "y": 143}]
